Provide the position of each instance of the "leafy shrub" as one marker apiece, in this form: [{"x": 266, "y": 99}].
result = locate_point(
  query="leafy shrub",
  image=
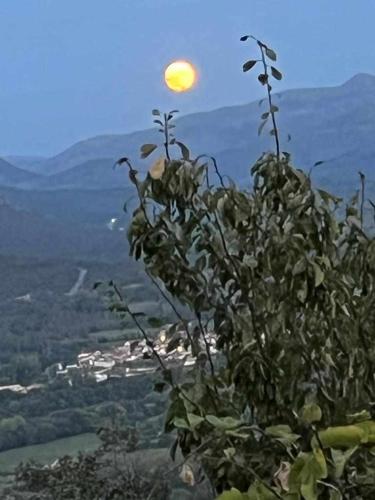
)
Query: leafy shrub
[
  {"x": 284, "y": 410},
  {"x": 103, "y": 475}
]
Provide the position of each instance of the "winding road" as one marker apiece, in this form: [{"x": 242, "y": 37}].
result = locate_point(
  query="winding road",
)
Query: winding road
[{"x": 77, "y": 285}]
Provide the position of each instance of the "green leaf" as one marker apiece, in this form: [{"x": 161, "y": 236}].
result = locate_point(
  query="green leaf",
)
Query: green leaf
[
  {"x": 232, "y": 494},
  {"x": 248, "y": 65},
  {"x": 276, "y": 73},
  {"x": 278, "y": 430},
  {"x": 184, "y": 150},
  {"x": 265, "y": 115},
  {"x": 181, "y": 423},
  {"x": 368, "y": 427},
  {"x": 194, "y": 420},
  {"x": 361, "y": 416},
  {"x": 223, "y": 422},
  {"x": 283, "y": 433},
  {"x": 307, "y": 469},
  {"x": 261, "y": 127},
  {"x": 147, "y": 149},
  {"x": 259, "y": 491},
  {"x": 156, "y": 112},
  {"x": 318, "y": 274},
  {"x": 299, "y": 267},
  {"x": 237, "y": 434},
  {"x": 294, "y": 480},
  {"x": 309, "y": 488},
  {"x": 320, "y": 464},
  {"x": 340, "y": 459},
  {"x": 311, "y": 413},
  {"x": 335, "y": 495},
  {"x": 346, "y": 436},
  {"x": 270, "y": 54}
]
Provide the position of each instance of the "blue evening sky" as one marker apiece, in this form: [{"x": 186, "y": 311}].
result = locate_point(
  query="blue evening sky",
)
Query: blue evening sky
[{"x": 71, "y": 69}]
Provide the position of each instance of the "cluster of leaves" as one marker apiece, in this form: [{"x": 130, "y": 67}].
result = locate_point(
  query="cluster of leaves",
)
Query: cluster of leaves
[
  {"x": 266, "y": 53},
  {"x": 284, "y": 409},
  {"x": 164, "y": 121},
  {"x": 289, "y": 290}
]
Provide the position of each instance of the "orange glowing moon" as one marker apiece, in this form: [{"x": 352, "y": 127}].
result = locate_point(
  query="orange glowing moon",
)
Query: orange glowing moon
[{"x": 180, "y": 76}]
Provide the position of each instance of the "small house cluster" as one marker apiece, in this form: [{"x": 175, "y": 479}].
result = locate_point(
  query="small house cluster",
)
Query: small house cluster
[{"x": 134, "y": 358}]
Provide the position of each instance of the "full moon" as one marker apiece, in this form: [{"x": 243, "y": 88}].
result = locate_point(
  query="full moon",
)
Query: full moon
[{"x": 180, "y": 76}]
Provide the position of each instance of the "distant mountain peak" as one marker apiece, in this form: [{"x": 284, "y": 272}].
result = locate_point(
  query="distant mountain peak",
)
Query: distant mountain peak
[{"x": 360, "y": 81}]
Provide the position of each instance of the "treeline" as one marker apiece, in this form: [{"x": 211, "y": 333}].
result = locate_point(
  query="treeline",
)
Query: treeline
[
  {"x": 62, "y": 411},
  {"x": 45, "y": 331}
]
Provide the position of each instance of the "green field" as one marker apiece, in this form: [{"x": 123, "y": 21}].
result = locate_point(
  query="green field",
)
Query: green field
[{"x": 47, "y": 452}]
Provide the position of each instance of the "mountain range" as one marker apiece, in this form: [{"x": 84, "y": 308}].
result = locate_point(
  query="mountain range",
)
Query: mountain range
[
  {"x": 333, "y": 124},
  {"x": 76, "y": 193}
]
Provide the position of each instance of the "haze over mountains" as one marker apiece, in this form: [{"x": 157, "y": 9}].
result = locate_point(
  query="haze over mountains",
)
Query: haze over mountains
[
  {"x": 30, "y": 163},
  {"x": 335, "y": 124},
  {"x": 28, "y": 234},
  {"x": 11, "y": 175}
]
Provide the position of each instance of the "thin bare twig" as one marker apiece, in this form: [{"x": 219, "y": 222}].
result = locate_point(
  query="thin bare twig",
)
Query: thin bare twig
[
  {"x": 166, "y": 137},
  {"x": 198, "y": 315},
  {"x": 363, "y": 178}
]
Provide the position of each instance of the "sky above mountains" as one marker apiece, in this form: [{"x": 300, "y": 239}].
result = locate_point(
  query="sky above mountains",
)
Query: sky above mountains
[{"x": 74, "y": 69}]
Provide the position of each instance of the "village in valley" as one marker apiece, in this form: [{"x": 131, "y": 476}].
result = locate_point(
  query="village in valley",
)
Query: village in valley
[{"x": 135, "y": 357}]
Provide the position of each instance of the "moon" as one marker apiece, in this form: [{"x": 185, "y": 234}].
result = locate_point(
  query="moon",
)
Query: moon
[{"x": 180, "y": 76}]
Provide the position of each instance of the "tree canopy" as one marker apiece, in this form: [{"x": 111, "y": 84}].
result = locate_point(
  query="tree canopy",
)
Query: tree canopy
[{"x": 283, "y": 273}]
